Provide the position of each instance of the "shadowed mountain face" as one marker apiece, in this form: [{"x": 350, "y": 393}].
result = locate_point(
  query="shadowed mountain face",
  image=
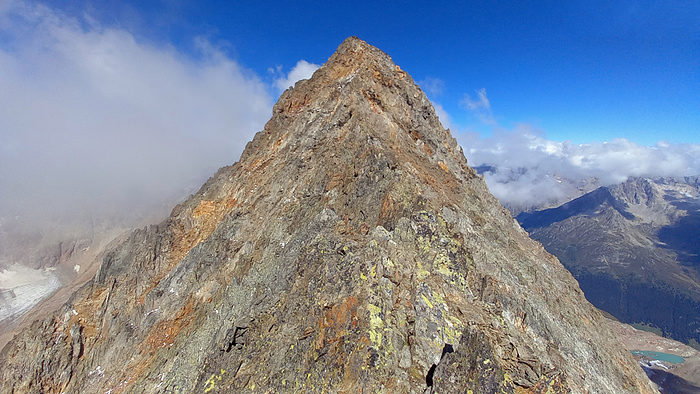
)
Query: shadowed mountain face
[
  {"x": 634, "y": 248},
  {"x": 350, "y": 249}
]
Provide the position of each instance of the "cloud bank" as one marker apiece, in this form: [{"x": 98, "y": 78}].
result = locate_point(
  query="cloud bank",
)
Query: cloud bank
[
  {"x": 523, "y": 168},
  {"x": 93, "y": 120}
]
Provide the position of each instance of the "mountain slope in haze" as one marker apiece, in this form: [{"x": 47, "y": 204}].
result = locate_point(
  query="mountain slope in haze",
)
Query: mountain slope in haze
[
  {"x": 350, "y": 249},
  {"x": 44, "y": 259},
  {"x": 634, "y": 248}
]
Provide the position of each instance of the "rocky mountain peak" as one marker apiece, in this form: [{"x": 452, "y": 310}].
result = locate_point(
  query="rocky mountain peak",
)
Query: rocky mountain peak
[
  {"x": 350, "y": 249},
  {"x": 361, "y": 80}
]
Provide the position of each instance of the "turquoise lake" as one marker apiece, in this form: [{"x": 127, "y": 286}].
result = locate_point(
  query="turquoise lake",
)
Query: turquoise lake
[{"x": 671, "y": 358}]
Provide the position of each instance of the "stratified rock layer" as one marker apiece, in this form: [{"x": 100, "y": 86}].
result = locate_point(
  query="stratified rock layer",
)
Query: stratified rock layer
[{"x": 350, "y": 249}]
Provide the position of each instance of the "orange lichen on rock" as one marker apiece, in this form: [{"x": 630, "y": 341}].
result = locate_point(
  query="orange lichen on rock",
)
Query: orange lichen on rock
[
  {"x": 336, "y": 321},
  {"x": 342, "y": 69},
  {"x": 165, "y": 332},
  {"x": 296, "y": 103},
  {"x": 206, "y": 216},
  {"x": 337, "y": 179},
  {"x": 402, "y": 73},
  {"x": 162, "y": 335},
  {"x": 204, "y": 208},
  {"x": 189, "y": 232},
  {"x": 374, "y": 101},
  {"x": 387, "y": 210},
  {"x": 85, "y": 313}
]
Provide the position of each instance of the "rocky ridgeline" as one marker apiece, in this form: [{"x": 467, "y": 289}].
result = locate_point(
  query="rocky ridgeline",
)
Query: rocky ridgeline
[{"x": 350, "y": 249}]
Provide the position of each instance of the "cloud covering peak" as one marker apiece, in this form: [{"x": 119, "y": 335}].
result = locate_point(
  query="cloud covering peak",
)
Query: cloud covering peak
[{"x": 92, "y": 119}]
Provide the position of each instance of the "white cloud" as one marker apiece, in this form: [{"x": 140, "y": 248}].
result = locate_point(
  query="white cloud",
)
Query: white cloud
[
  {"x": 444, "y": 117},
  {"x": 527, "y": 169},
  {"x": 91, "y": 119},
  {"x": 302, "y": 70},
  {"x": 433, "y": 86},
  {"x": 480, "y": 107}
]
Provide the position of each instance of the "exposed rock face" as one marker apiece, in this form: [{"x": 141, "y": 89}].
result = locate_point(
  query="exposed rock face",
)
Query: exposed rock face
[
  {"x": 350, "y": 249},
  {"x": 634, "y": 249}
]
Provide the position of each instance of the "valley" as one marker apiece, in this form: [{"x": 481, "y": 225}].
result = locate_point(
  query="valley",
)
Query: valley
[{"x": 633, "y": 247}]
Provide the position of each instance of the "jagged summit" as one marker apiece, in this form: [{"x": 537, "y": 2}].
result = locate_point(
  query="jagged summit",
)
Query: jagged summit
[{"x": 350, "y": 249}]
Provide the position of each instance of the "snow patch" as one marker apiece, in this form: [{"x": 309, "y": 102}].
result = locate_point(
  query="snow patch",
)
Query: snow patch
[{"x": 22, "y": 287}]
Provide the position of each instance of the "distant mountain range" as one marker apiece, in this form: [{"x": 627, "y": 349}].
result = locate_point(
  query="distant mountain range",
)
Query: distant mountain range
[{"x": 634, "y": 248}]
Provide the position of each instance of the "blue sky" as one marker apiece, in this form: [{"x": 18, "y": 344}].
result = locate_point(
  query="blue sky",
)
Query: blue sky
[
  {"x": 580, "y": 71},
  {"x": 113, "y": 103}
]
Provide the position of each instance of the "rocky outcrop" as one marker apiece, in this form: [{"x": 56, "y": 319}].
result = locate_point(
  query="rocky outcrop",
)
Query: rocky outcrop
[{"x": 350, "y": 249}]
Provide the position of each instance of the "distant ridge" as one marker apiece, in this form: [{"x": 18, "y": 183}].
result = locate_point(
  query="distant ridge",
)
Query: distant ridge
[{"x": 634, "y": 249}]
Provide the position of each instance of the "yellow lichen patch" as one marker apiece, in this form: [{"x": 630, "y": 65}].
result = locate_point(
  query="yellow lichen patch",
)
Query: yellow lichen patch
[
  {"x": 210, "y": 384},
  {"x": 376, "y": 325},
  {"x": 427, "y": 301},
  {"x": 438, "y": 298},
  {"x": 423, "y": 244},
  {"x": 441, "y": 264},
  {"x": 422, "y": 272},
  {"x": 450, "y": 333},
  {"x": 388, "y": 263}
]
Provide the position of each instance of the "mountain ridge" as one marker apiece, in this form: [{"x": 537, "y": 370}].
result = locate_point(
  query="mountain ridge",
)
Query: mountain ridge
[
  {"x": 633, "y": 248},
  {"x": 350, "y": 248}
]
